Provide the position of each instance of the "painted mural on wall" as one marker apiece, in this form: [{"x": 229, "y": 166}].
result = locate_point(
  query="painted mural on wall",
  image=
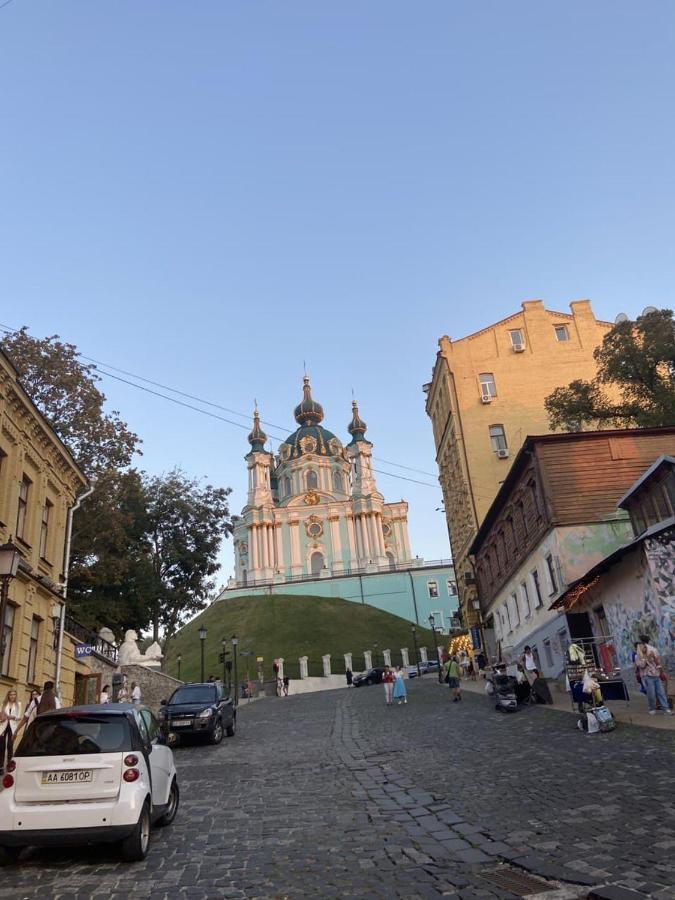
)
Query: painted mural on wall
[
  {"x": 645, "y": 606},
  {"x": 582, "y": 546}
]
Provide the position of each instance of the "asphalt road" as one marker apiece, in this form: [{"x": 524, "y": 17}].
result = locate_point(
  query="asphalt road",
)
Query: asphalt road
[{"x": 335, "y": 795}]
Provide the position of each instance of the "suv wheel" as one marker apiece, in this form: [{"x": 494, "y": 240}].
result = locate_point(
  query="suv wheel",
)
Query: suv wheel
[
  {"x": 135, "y": 847},
  {"x": 231, "y": 729},
  {"x": 171, "y": 807},
  {"x": 217, "y": 733},
  {"x": 369, "y": 680}
]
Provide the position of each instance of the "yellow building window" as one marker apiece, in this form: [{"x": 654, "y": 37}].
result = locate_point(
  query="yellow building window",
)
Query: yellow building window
[
  {"x": 44, "y": 528},
  {"x": 22, "y": 511}
]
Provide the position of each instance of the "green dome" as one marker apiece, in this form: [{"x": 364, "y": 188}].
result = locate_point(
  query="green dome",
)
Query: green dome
[
  {"x": 310, "y": 439},
  {"x": 308, "y": 411}
]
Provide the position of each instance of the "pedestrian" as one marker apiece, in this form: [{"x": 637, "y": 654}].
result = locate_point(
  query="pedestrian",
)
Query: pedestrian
[
  {"x": 349, "y": 675},
  {"x": 31, "y": 709},
  {"x": 388, "y": 682},
  {"x": 211, "y": 679},
  {"x": 123, "y": 693},
  {"x": 135, "y": 693},
  {"x": 452, "y": 674},
  {"x": 49, "y": 700},
  {"x": 529, "y": 663},
  {"x": 12, "y": 709},
  {"x": 400, "y": 692},
  {"x": 105, "y": 694},
  {"x": 287, "y": 682},
  {"x": 652, "y": 676}
]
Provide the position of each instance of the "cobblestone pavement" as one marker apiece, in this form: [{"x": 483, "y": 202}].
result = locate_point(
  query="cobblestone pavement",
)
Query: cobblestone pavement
[{"x": 335, "y": 795}]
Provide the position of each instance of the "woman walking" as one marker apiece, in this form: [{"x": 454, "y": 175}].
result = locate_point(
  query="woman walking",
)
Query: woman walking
[
  {"x": 652, "y": 676},
  {"x": 10, "y": 716},
  {"x": 49, "y": 699},
  {"x": 31, "y": 710},
  {"x": 400, "y": 692},
  {"x": 388, "y": 682}
]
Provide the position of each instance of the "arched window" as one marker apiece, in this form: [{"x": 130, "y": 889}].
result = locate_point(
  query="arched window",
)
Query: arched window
[
  {"x": 316, "y": 563},
  {"x": 337, "y": 482},
  {"x": 312, "y": 480},
  {"x": 244, "y": 576},
  {"x": 287, "y": 486},
  {"x": 392, "y": 560}
]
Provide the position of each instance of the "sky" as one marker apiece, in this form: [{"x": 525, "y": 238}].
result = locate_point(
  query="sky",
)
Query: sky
[{"x": 214, "y": 194}]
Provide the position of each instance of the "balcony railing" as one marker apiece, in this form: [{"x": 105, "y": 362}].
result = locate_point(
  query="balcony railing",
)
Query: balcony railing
[{"x": 85, "y": 635}]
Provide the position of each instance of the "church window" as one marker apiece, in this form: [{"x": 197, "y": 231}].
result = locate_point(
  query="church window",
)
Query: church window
[
  {"x": 312, "y": 480},
  {"x": 337, "y": 482},
  {"x": 287, "y": 486},
  {"x": 316, "y": 563},
  {"x": 314, "y": 529}
]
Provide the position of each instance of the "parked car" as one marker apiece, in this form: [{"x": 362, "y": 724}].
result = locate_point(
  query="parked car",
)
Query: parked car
[
  {"x": 429, "y": 666},
  {"x": 372, "y": 676},
  {"x": 88, "y": 775},
  {"x": 198, "y": 710}
]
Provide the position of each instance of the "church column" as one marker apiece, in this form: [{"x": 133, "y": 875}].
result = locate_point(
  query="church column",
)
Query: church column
[
  {"x": 337, "y": 543},
  {"x": 353, "y": 551},
  {"x": 365, "y": 543},
  {"x": 270, "y": 546},
  {"x": 279, "y": 550},
  {"x": 380, "y": 534},
  {"x": 296, "y": 562},
  {"x": 252, "y": 548}
]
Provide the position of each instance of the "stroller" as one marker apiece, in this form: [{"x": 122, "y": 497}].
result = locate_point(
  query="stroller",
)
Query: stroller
[{"x": 505, "y": 687}]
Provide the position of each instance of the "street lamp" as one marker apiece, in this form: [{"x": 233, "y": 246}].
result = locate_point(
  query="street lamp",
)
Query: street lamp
[
  {"x": 178, "y": 660},
  {"x": 375, "y": 645},
  {"x": 9, "y": 566},
  {"x": 432, "y": 625},
  {"x": 235, "y": 644},
  {"x": 417, "y": 659},
  {"x": 223, "y": 644},
  {"x": 202, "y": 638}
]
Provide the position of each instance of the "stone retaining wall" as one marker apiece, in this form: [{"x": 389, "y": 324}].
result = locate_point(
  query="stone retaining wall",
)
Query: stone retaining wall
[{"x": 155, "y": 685}]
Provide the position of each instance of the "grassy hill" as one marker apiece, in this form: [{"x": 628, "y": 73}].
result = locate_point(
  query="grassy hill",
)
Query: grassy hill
[{"x": 290, "y": 627}]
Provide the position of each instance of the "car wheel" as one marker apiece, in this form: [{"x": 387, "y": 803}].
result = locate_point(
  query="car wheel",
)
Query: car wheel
[
  {"x": 231, "y": 729},
  {"x": 217, "y": 733},
  {"x": 135, "y": 847},
  {"x": 369, "y": 680},
  {"x": 9, "y": 855},
  {"x": 172, "y": 806}
]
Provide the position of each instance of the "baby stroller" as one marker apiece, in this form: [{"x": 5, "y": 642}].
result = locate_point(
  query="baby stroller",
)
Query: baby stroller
[{"x": 505, "y": 687}]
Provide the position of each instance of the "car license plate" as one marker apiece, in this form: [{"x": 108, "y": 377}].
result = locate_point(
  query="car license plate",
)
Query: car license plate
[
  {"x": 179, "y": 723},
  {"x": 71, "y": 776}
]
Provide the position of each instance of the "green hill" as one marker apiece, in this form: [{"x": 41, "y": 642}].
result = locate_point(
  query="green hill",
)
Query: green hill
[{"x": 290, "y": 627}]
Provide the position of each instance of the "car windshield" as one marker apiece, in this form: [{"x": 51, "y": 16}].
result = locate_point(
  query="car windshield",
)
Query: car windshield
[
  {"x": 71, "y": 735},
  {"x": 194, "y": 693}
]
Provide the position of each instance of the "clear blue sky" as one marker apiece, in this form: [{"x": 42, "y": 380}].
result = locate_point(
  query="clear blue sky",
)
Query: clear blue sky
[{"x": 208, "y": 193}]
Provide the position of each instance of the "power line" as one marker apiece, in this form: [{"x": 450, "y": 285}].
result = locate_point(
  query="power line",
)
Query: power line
[{"x": 6, "y": 3}]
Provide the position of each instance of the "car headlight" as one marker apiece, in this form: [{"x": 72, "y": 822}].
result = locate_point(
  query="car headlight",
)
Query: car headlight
[{"x": 205, "y": 713}]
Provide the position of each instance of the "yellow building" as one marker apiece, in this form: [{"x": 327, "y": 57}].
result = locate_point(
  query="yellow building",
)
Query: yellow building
[
  {"x": 486, "y": 395},
  {"x": 39, "y": 483}
]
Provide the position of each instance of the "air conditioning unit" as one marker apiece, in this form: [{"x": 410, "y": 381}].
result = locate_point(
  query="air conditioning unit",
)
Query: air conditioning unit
[
  {"x": 518, "y": 347},
  {"x": 502, "y": 454},
  {"x": 486, "y": 398}
]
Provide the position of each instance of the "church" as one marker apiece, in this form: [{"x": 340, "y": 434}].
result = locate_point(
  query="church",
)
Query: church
[{"x": 316, "y": 523}]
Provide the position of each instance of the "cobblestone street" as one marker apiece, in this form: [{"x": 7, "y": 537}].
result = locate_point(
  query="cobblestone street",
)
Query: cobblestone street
[{"x": 336, "y": 795}]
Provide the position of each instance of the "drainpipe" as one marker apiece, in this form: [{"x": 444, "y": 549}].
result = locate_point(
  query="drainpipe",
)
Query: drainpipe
[
  {"x": 66, "y": 568},
  {"x": 414, "y": 599}
]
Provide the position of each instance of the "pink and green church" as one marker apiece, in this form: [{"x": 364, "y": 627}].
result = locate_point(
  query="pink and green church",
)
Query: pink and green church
[{"x": 315, "y": 524}]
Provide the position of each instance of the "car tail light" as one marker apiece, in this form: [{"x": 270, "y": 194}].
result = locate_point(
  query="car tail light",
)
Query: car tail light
[
  {"x": 131, "y": 760},
  {"x": 129, "y": 775},
  {"x": 8, "y": 781},
  {"x": 11, "y": 766}
]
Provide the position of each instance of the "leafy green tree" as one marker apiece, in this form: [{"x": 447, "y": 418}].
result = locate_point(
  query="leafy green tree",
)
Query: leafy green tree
[
  {"x": 188, "y": 522},
  {"x": 64, "y": 389},
  {"x": 635, "y": 383}
]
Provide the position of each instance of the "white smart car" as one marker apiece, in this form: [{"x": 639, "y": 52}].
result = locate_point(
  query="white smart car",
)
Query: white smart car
[{"x": 88, "y": 775}]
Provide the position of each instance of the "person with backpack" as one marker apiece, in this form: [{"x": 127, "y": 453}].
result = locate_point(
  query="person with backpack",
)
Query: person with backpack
[{"x": 452, "y": 676}]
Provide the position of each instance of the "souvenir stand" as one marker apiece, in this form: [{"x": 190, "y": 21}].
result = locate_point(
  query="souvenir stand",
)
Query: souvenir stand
[{"x": 596, "y": 657}]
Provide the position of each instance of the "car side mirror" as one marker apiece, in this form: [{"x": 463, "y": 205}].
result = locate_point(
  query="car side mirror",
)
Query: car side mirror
[{"x": 162, "y": 702}]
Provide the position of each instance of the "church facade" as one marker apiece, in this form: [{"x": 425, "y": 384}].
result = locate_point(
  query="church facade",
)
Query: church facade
[{"x": 315, "y": 520}]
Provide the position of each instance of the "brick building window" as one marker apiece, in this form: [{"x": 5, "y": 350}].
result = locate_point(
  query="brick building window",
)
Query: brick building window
[
  {"x": 44, "y": 528},
  {"x": 22, "y": 511},
  {"x": 561, "y": 333},
  {"x": 498, "y": 438},
  {"x": 517, "y": 339},
  {"x": 8, "y": 633},
  {"x": 488, "y": 388}
]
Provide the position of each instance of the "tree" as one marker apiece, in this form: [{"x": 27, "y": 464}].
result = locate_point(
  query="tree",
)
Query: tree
[
  {"x": 188, "y": 522},
  {"x": 64, "y": 390},
  {"x": 635, "y": 382}
]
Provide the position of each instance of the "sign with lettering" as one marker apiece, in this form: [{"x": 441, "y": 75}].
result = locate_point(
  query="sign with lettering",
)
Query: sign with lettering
[{"x": 83, "y": 650}]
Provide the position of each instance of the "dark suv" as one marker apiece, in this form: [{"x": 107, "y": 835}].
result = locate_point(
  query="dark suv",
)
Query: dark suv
[
  {"x": 198, "y": 710},
  {"x": 372, "y": 676}
]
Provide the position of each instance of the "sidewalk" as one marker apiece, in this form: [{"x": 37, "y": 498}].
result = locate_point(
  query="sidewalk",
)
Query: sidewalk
[{"x": 633, "y": 713}]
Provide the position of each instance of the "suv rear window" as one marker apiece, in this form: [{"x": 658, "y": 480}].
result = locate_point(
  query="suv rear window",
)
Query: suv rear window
[
  {"x": 197, "y": 693},
  {"x": 72, "y": 735}
]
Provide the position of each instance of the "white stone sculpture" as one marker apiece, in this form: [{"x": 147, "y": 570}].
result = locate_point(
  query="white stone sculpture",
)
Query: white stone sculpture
[{"x": 130, "y": 655}]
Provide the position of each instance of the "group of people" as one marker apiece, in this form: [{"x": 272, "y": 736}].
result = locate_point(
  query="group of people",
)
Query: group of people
[
  {"x": 394, "y": 685},
  {"x": 128, "y": 693},
  {"x": 13, "y": 717}
]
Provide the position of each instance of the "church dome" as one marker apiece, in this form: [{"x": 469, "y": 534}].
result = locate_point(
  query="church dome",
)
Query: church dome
[
  {"x": 257, "y": 437},
  {"x": 310, "y": 439},
  {"x": 308, "y": 411}
]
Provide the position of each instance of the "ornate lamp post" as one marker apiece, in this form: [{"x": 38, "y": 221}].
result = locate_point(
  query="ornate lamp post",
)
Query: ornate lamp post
[
  {"x": 9, "y": 566},
  {"x": 178, "y": 660},
  {"x": 202, "y": 638},
  {"x": 417, "y": 659},
  {"x": 375, "y": 646},
  {"x": 235, "y": 644},
  {"x": 223, "y": 644},
  {"x": 432, "y": 625}
]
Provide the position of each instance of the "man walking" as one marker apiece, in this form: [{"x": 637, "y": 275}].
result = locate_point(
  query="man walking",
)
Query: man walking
[{"x": 452, "y": 675}]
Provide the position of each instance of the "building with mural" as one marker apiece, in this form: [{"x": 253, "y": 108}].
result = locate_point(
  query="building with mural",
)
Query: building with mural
[
  {"x": 631, "y": 591},
  {"x": 554, "y": 518},
  {"x": 316, "y": 523},
  {"x": 39, "y": 483},
  {"x": 486, "y": 395}
]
